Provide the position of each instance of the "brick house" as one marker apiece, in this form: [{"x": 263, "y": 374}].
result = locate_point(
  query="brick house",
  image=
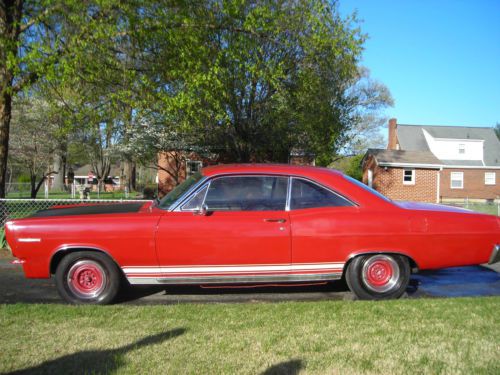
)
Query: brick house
[
  {"x": 174, "y": 167},
  {"x": 435, "y": 164}
]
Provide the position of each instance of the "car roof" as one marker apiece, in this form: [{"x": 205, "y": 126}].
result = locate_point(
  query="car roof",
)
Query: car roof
[{"x": 285, "y": 169}]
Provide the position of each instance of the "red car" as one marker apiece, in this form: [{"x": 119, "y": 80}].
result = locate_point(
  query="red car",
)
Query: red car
[{"x": 241, "y": 224}]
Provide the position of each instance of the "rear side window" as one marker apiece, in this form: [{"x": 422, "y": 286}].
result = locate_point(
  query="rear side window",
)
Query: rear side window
[
  {"x": 306, "y": 194},
  {"x": 247, "y": 193}
]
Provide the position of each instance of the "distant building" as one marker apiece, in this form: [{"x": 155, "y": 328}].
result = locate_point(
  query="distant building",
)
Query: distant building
[
  {"x": 175, "y": 167},
  {"x": 435, "y": 163},
  {"x": 85, "y": 176}
]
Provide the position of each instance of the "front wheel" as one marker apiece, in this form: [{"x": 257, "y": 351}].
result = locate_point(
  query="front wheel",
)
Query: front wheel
[
  {"x": 87, "y": 278},
  {"x": 378, "y": 276}
]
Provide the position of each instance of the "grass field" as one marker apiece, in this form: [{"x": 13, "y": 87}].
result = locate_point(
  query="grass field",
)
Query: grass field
[
  {"x": 492, "y": 209},
  {"x": 425, "y": 336}
]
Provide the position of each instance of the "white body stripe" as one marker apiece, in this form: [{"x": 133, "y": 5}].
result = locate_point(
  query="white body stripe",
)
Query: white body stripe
[
  {"x": 232, "y": 269},
  {"x": 29, "y": 240}
]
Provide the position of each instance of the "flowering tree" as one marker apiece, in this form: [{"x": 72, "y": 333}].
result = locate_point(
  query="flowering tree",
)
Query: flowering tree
[{"x": 148, "y": 140}]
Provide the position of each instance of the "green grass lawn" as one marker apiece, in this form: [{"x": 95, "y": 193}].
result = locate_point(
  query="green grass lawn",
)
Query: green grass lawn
[
  {"x": 425, "y": 336},
  {"x": 491, "y": 209}
]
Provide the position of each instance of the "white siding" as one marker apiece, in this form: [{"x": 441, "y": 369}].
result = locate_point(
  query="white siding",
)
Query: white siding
[{"x": 449, "y": 149}]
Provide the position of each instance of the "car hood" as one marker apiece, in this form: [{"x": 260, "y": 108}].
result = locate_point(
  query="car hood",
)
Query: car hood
[
  {"x": 92, "y": 209},
  {"x": 431, "y": 207}
]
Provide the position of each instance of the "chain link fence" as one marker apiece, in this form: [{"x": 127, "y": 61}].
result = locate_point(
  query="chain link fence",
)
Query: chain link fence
[
  {"x": 16, "y": 208},
  {"x": 492, "y": 208}
]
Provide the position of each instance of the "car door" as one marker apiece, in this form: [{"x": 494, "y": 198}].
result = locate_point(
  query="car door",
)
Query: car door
[
  {"x": 321, "y": 226},
  {"x": 243, "y": 232}
]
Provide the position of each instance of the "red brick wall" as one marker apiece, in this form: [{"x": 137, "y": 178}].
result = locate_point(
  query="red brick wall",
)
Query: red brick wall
[
  {"x": 473, "y": 188},
  {"x": 166, "y": 181},
  {"x": 390, "y": 183}
]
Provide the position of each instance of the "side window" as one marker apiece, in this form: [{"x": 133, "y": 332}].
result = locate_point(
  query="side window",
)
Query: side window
[
  {"x": 247, "y": 193},
  {"x": 305, "y": 194},
  {"x": 195, "y": 202}
]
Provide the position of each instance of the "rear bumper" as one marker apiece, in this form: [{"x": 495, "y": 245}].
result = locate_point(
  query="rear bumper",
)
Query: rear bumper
[{"x": 495, "y": 255}]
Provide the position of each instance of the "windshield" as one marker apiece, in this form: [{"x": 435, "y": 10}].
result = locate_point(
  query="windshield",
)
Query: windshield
[
  {"x": 367, "y": 188},
  {"x": 171, "y": 197}
]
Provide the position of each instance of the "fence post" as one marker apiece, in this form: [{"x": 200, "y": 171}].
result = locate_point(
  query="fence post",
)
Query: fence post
[{"x": 46, "y": 189}]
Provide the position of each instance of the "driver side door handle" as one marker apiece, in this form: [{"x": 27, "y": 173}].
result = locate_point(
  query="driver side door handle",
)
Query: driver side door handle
[{"x": 281, "y": 220}]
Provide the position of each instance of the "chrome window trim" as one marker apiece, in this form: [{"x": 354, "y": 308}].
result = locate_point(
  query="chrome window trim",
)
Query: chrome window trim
[
  {"x": 183, "y": 197},
  {"x": 207, "y": 185},
  {"x": 176, "y": 206},
  {"x": 288, "y": 194},
  {"x": 353, "y": 204}
]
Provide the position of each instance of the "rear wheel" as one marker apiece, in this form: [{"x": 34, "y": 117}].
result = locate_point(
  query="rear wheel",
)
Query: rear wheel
[
  {"x": 87, "y": 278},
  {"x": 378, "y": 276}
]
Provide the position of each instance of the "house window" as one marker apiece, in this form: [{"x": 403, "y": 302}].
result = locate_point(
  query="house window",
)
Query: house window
[
  {"x": 457, "y": 180},
  {"x": 192, "y": 167},
  {"x": 409, "y": 177},
  {"x": 489, "y": 178},
  {"x": 461, "y": 148}
]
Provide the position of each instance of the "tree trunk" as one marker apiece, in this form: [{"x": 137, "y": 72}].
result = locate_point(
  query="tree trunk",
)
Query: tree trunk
[
  {"x": 129, "y": 170},
  {"x": 10, "y": 26},
  {"x": 34, "y": 190},
  {"x": 59, "y": 169},
  {"x": 5, "y": 116}
]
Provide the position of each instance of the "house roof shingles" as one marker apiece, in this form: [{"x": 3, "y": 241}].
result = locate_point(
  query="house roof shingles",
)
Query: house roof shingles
[
  {"x": 411, "y": 138},
  {"x": 84, "y": 170},
  {"x": 404, "y": 157}
]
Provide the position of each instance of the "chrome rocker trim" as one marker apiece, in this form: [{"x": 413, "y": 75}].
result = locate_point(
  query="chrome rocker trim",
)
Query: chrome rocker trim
[
  {"x": 233, "y": 279},
  {"x": 495, "y": 255}
]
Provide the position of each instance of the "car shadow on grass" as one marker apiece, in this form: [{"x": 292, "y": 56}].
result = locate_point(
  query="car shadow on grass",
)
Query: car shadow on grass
[
  {"x": 96, "y": 361},
  {"x": 291, "y": 367}
]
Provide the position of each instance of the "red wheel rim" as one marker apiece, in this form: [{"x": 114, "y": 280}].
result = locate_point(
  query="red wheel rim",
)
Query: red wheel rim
[
  {"x": 86, "y": 279},
  {"x": 380, "y": 273}
]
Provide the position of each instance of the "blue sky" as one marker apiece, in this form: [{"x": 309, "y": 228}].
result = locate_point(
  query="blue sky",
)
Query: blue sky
[{"x": 440, "y": 59}]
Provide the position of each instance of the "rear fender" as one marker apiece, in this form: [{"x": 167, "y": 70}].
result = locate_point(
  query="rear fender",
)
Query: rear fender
[{"x": 413, "y": 264}]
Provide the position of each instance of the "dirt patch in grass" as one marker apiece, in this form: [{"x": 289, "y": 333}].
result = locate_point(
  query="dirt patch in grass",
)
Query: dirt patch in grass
[
  {"x": 406, "y": 336},
  {"x": 5, "y": 254}
]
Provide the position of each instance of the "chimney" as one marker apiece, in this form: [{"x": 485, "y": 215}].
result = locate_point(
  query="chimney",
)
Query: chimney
[{"x": 392, "y": 141}]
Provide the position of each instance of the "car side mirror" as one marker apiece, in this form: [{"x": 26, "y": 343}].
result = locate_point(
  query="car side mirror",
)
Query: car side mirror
[{"x": 202, "y": 211}]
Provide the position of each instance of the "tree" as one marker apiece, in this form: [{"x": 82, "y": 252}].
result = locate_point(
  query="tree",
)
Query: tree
[
  {"x": 497, "y": 130},
  {"x": 50, "y": 40},
  {"x": 32, "y": 141},
  {"x": 151, "y": 139},
  {"x": 350, "y": 165},
  {"x": 254, "y": 80},
  {"x": 251, "y": 81},
  {"x": 368, "y": 97}
]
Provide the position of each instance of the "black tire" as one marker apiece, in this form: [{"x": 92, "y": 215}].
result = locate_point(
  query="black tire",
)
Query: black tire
[
  {"x": 378, "y": 276},
  {"x": 87, "y": 277}
]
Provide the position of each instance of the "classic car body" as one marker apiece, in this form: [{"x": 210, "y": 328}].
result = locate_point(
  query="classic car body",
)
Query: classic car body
[{"x": 251, "y": 224}]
